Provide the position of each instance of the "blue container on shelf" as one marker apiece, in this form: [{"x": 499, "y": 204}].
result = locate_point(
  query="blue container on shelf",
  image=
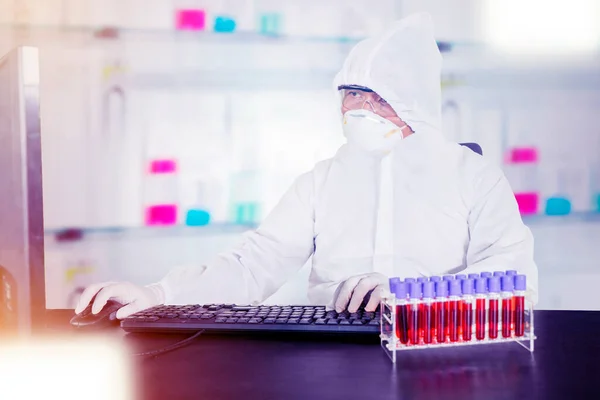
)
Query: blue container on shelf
[
  {"x": 270, "y": 24},
  {"x": 224, "y": 24},
  {"x": 558, "y": 206},
  {"x": 196, "y": 217}
]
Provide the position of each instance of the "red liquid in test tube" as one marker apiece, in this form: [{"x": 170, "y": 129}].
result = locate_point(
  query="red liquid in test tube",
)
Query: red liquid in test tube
[
  {"x": 507, "y": 308},
  {"x": 454, "y": 309},
  {"x": 519, "y": 304},
  {"x": 413, "y": 311},
  {"x": 480, "y": 311},
  {"x": 493, "y": 306},
  {"x": 467, "y": 309},
  {"x": 441, "y": 295},
  {"x": 401, "y": 312},
  {"x": 426, "y": 311}
]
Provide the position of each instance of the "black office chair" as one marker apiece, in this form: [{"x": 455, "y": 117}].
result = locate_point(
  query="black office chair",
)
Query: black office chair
[{"x": 473, "y": 146}]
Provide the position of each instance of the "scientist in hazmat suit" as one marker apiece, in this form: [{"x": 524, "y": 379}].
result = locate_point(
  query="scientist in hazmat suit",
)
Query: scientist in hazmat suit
[{"x": 398, "y": 199}]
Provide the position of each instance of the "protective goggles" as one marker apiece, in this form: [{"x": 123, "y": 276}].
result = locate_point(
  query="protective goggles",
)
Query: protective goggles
[{"x": 355, "y": 97}]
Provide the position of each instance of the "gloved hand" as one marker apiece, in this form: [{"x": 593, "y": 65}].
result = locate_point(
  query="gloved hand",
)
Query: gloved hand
[
  {"x": 351, "y": 293},
  {"x": 133, "y": 297}
]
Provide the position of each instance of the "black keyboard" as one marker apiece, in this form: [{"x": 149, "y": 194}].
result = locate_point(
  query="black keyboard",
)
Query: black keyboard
[{"x": 229, "y": 317}]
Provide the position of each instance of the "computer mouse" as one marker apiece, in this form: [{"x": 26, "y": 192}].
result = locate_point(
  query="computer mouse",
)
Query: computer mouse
[{"x": 106, "y": 317}]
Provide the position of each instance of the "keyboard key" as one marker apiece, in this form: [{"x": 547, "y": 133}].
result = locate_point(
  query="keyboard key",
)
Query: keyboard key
[
  {"x": 374, "y": 322},
  {"x": 321, "y": 321},
  {"x": 269, "y": 321},
  {"x": 305, "y": 321},
  {"x": 293, "y": 320},
  {"x": 243, "y": 320},
  {"x": 220, "y": 320},
  {"x": 344, "y": 322},
  {"x": 332, "y": 322},
  {"x": 357, "y": 322},
  {"x": 281, "y": 321},
  {"x": 232, "y": 320},
  {"x": 255, "y": 320},
  {"x": 242, "y": 308}
]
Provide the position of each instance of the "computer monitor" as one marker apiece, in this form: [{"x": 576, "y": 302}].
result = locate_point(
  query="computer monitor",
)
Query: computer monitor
[{"x": 22, "y": 279}]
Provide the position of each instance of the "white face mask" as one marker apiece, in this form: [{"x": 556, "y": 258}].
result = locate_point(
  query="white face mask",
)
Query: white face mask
[{"x": 371, "y": 132}]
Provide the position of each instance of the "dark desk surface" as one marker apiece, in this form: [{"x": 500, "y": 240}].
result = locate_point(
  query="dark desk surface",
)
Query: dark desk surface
[{"x": 565, "y": 365}]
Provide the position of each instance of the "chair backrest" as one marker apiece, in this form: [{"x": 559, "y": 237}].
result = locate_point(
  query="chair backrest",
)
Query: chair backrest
[{"x": 473, "y": 146}]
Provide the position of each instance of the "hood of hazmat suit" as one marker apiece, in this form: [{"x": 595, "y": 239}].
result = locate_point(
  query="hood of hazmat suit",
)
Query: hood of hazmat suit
[{"x": 427, "y": 207}]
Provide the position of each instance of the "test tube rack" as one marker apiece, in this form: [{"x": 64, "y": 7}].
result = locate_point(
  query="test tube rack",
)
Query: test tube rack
[{"x": 391, "y": 324}]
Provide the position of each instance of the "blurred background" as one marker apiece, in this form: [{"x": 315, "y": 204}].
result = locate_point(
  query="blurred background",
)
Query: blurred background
[{"x": 171, "y": 127}]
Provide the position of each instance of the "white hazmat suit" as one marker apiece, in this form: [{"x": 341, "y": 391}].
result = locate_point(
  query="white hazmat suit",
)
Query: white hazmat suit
[{"x": 428, "y": 207}]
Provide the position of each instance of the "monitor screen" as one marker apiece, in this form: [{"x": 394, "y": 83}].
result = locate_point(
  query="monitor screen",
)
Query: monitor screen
[{"x": 22, "y": 282}]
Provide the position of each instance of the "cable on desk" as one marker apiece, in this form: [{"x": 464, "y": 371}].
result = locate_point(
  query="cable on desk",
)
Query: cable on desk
[{"x": 172, "y": 347}]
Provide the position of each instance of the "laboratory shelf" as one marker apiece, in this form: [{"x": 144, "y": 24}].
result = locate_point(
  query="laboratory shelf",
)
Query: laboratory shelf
[
  {"x": 575, "y": 217},
  {"x": 150, "y": 231},
  {"x": 204, "y": 36}
]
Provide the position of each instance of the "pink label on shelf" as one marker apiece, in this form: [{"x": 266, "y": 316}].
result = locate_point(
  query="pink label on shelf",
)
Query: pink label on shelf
[
  {"x": 162, "y": 214},
  {"x": 522, "y": 155},
  {"x": 163, "y": 166},
  {"x": 190, "y": 20},
  {"x": 528, "y": 202}
]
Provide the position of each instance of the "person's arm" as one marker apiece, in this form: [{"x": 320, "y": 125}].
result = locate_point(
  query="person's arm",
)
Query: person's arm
[
  {"x": 267, "y": 257},
  {"x": 499, "y": 240},
  {"x": 249, "y": 273}
]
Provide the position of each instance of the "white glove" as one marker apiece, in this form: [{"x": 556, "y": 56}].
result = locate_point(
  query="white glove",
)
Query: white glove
[
  {"x": 133, "y": 297},
  {"x": 352, "y": 292}
]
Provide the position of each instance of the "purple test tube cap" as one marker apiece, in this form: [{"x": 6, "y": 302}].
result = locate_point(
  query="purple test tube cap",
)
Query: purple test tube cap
[
  {"x": 494, "y": 284},
  {"x": 520, "y": 282},
  {"x": 441, "y": 289},
  {"x": 480, "y": 285},
  {"x": 499, "y": 273},
  {"x": 393, "y": 283},
  {"x": 448, "y": 277},
  {"x": 468, "y": 286},
  {"x": 473, "y": 276},
  {"x": 428, "y": 289},
  {"x": 455, "y": 289},
  {"x": 508, "y": 283},
  {"x": 486, "y": 274},
  {"x": 409, "y": 280},
  {"x": 460, "y": 277},
  {"x": 415, "y": 289},
  {"x": 511, "y": 272},
  {"x": 422, "y": 279},
  {"x": 401, "y": 290}
]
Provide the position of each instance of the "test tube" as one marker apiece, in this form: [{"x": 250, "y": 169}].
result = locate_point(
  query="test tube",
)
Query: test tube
[
  {"x": 434, "y": 279},
  {"x": 409, "y": 280},
  {"x": 499, "y": 273},
  {"x": 460, "y": 278},
  {"x": 422, "y": 279},
  {"x": 519, "y": 296},
  {"x": 427, "y": 312},
  {"x": 486, "y": 274},
  {"x": 480, "y": 297},
  {"x": 413, "y": 312},
  {"x": 441, "y": 297},
  {"x": 473, "y": 276},
  {"x": 467, "y": 309},
  {"x": 401, "y": 312},
  {"x": 493, "y": 300},
  {"x": 453, "y": 305},
  {"x": 448, "y": 277},
  {"x": 507, "y": 308}
]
